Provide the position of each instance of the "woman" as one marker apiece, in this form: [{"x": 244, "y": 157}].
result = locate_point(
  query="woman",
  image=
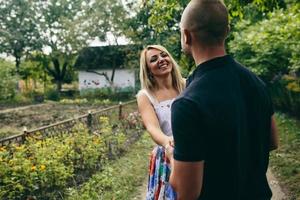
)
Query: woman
[{"x": 161, "y": 82}]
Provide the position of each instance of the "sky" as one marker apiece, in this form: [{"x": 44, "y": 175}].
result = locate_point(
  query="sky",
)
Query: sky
[{"x": 110, "y": 40}]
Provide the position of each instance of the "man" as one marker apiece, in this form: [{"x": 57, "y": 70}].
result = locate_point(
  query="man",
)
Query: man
[{"x": 223, "y": 123}]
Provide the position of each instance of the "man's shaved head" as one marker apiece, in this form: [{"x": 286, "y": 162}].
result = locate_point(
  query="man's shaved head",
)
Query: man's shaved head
[{"x": 207, "y": 20}]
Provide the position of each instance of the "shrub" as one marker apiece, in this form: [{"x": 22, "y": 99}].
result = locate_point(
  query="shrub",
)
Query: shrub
[
  {"x": 35, "y": 96},
  {"x": 286, "y": 94},
  {"x": 116, "y": 94},
  {"x": 8, "y": 81},
  {"x": 52, "y": 94}
]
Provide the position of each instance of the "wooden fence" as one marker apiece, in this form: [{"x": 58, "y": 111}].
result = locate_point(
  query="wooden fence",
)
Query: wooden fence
[{"x": 91, "y": 119}]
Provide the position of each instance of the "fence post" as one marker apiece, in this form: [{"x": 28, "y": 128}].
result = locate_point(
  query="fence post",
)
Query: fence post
[
  {"x": 89, "y": 121},
  {"x": 24, "y": 134},
  {"x": 120, "y": 110}
]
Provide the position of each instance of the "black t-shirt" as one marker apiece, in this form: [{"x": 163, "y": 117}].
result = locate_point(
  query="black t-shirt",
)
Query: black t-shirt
[{"x": 223, "y": 118}]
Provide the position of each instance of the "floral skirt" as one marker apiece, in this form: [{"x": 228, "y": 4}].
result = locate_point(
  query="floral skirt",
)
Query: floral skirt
[{"x": 159, "y": 172}]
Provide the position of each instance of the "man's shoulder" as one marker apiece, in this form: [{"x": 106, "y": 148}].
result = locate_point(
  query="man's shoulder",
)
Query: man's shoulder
[
  {"x": 184, "y": 100},
  {"x": 245, "y": 71},
  {"x": 189, "y": 98},
  {"x": 249, "y": 81}
]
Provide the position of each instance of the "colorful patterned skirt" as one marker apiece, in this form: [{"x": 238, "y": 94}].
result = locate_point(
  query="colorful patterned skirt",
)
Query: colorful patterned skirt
[{"x": 159, "y": 172}]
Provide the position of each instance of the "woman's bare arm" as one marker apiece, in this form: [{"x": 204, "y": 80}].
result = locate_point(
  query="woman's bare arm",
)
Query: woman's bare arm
[{"x": 150, "y": 120}]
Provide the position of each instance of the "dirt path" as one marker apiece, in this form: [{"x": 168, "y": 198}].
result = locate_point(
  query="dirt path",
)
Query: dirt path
[
  {"x": 142, "y": 191},
  {"x": 274, "y": 184}
]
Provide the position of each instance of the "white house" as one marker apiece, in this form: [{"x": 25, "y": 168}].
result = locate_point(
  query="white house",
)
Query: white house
[
  {"x": 105, "y": 66},
  {"x": 123, "y": 78}
]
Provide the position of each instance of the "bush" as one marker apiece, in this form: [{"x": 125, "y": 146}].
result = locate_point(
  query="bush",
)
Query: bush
[
  {"x": 35, "y": 96},
  {"x": 52, "y": 94},
  {"x": 286, "y": 94},
  {"x": 8, "y": 81},
  {"x": 116, "y": 94},
  {"x": 85, "y": 101}
]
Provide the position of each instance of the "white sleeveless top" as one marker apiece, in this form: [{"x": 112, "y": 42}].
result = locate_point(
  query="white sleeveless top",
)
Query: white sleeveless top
[{"x": 162, "y": 110}]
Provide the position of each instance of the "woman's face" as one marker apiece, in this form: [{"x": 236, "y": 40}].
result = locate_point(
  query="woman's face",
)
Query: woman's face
[{"x": 158, "y": 62}]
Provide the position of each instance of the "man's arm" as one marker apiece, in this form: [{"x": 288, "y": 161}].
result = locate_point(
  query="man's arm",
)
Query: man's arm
[
  {"x": 189, "y": 135},
  {"x": 186, "y": 179},
  {"x": 274, "y": 138}
]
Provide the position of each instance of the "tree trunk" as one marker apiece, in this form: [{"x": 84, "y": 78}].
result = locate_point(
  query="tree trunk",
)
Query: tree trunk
[
  {"x": 58, "y": 85},
  {"x": 57, "y": 74},
  {"x": 18, "y": 62},
  {"x": 113, "y": 74}
]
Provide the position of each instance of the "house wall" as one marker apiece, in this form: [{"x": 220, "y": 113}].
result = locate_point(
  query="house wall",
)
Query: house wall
[{"x": 123, "y": 78}]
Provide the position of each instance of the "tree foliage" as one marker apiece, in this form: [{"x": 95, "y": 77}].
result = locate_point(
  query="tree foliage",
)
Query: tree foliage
[
  {"x": 58, "y": 29},
  {"x": 64, "y": 28},
  {"x": 18, "y": 28},
  {"x": 158, "y": 22},
  {"x": 270, "y": 47},
  {"x": 70, "y": 25}
]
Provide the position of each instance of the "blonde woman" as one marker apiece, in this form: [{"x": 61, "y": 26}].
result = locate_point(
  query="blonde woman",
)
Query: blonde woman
[{"x": 161, "y": 82}]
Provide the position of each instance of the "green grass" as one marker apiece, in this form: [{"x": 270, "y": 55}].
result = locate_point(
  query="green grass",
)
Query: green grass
[
  {"x": 120, "y": 179},
  {"x": 285, "y": 161}
]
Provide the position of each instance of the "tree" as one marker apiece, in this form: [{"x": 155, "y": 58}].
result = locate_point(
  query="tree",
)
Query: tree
[
  {"x": 108, "y": 21},
  {"x": 111, "y": 15},
  {"x": 270, "y": 47},
  {"x": 158, "y": 22},
  {"x": 64, "y": 30},
  {"x": 68, "y": 26},
  {"x": 237, "y": 8},
  {"x": 18, "y": 28},
  {"x": 150, "y": 26}
]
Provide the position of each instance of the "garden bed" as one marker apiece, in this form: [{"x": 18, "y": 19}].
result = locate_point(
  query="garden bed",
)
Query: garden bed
[
  {"x": 13, "y": 122},
  {"x": 44, "y": 169}
]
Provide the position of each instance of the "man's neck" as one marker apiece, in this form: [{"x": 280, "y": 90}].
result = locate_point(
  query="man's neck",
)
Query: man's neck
[{"x": 202, "y": 55}]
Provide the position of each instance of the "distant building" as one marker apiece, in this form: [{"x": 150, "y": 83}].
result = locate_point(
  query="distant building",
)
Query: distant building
[{"x": 107, "y": 66}]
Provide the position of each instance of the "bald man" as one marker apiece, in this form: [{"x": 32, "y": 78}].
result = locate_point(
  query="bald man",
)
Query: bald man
[{"x": 223, "y": 123}]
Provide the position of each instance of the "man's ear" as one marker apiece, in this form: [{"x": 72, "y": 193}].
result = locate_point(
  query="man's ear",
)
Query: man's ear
[
  {"x": 187, "y": 37},
  {"x": 227, "y": 31}
]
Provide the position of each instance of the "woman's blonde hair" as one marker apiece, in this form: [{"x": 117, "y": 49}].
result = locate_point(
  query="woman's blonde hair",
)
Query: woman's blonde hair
[{"x": 147, "y": 82}]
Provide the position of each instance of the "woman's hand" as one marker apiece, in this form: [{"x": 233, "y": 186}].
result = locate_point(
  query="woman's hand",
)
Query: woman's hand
[{"x": 169, "y": 148}]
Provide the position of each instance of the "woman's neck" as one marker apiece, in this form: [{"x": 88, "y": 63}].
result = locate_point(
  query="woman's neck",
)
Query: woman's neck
[{"x": 164, "y": 83}]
